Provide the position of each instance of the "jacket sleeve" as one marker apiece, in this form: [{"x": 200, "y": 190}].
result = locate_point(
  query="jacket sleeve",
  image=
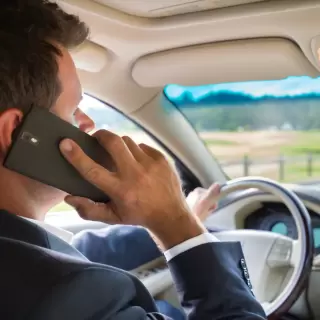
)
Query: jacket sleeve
[{"x": 213, "y": 283}]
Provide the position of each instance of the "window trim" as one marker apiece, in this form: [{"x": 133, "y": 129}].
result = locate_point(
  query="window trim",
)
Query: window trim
[{"x": 186, "y": 119}]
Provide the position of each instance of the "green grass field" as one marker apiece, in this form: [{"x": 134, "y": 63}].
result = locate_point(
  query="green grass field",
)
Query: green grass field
[
  {"x": 296, "y": 173},
  {"x": 217, "y": 142},
  {"x": 265, "y": 146},
  {"x": 304, "y": 143}
]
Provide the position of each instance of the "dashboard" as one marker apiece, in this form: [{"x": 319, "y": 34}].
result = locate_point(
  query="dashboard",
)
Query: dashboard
[{"x": 275, "y": 217}]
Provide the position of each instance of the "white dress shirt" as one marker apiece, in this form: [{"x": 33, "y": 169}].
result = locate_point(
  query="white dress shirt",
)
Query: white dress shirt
[{"x": 169, "y": 254}]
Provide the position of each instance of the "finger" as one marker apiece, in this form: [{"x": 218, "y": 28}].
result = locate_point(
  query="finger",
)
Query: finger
[
  {"x": 194, "y": 196},
  {"x": 191, "y": 199},
  {"x": 209, "y": 199},
  {"x": 93, "y": 211},
  {"x": 206, "y": 202},
  {"x": 134, "y": 148},
  {"x": 214, "y": 191},
  {"x": 116, "y": 147},
  {"x": 198, "y": 191},
  {"x": 151, "y": 152},
  {"x": 88, "y": 169}
]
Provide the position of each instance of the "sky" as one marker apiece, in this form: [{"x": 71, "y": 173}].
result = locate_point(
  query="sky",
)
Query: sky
[{"x": 292, "y": 86}]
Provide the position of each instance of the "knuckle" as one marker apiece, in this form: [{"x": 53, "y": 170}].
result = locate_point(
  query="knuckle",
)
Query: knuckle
[
  {"x": 107, "y": 138},
  {"x": 130, "y": 197},
  {"x": 92, "y": 173},
  {"x": 143, "y": 178},
  {"x": 159, "y": 157},
  {"x": 77, "y": 158},
  {"x": 114, "y": 142},
  {"x": 81, "y": 210},
  {"x": 82, "y": 213},
  {"x": 126, "y": 138},
  {"x": 159, "y": 164},
  {"x": 128, "y": 141},
  {"x": 197, "y": 191},
  {"x": 99, "y": 134}
]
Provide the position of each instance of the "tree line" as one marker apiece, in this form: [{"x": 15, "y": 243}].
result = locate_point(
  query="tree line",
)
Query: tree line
[{"x": 230, "y": 111}]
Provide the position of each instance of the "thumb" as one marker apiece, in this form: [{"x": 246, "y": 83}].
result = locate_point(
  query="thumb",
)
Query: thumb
[
  {"x": 214, "y": 192},
  {"x": 94, "y": 211},
  {"x": 207, "y": 202},
  {"x": 211, "y": 196}
]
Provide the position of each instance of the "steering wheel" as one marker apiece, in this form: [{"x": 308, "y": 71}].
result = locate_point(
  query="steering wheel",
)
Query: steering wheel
[
  {"x": 267, "y": 253},
  {"x": 272, "y": 259}
]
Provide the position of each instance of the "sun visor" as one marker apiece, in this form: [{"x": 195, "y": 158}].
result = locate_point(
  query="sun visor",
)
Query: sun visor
[
  {"x": 230, "y": 61},
  {"x": 91, "y": 57}
]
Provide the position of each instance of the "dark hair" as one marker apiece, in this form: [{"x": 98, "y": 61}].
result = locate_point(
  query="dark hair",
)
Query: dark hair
[{"x": 31, "y": 32}]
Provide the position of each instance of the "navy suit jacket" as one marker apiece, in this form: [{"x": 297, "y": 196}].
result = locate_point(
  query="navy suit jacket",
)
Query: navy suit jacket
[{"x": 38, "y": 282}]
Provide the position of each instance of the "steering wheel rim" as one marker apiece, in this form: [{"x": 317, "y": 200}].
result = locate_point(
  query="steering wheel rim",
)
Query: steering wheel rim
[{"x": 302, "y": 220}]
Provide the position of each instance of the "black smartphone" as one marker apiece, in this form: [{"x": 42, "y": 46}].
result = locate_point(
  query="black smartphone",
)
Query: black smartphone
[{"x": 35, "y": 153}]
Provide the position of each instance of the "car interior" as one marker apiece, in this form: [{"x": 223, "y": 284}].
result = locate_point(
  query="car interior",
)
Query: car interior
[{"x": 137, "y": 65}]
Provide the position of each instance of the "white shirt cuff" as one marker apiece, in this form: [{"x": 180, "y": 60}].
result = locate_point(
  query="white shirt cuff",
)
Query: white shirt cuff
[{"x": 189, "y": 244}]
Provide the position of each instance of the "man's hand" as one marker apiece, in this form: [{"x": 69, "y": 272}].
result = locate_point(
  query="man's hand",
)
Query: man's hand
[
  {"x": 145, "y": 189},
  {"x": 203, "y": 201}
]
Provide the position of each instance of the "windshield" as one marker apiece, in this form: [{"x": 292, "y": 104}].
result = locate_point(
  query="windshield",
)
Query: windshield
[{"x": 262, "y": 128}]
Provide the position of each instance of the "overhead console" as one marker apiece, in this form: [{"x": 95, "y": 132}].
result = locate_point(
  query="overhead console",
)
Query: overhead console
[{"x": 229, "y": 61}]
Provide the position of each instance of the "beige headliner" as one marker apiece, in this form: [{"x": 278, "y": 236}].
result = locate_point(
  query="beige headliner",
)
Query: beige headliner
[
  {"x": 129, "y": 59},
  {"x": 155, "y": 8},
  {"x": 122, "y": 39}
]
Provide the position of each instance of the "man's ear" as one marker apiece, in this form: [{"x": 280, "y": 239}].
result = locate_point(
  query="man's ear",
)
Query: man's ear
[{"x": 9, "y": 120}]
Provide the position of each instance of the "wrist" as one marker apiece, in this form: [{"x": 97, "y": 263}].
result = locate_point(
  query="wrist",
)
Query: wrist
[{"x": 178, "y": 230}]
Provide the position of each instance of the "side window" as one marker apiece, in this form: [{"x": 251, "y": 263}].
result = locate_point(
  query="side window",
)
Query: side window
[{"x": 106, "y": 117}]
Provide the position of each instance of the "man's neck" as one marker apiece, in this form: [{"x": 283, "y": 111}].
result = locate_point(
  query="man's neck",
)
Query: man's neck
[
  {"x": 24, "y": 197},
  {"x": 15, "y": 201}
]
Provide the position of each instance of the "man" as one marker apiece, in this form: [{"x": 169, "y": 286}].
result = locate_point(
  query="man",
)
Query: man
[{"x": 42, "y": 277}]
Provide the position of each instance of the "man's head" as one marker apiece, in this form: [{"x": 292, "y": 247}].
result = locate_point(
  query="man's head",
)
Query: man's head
[{"x": 36, "y": 69}]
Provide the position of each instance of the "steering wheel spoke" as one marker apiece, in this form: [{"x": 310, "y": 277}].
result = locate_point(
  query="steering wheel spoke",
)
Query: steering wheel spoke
[{"x": 281, "y": 252}]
